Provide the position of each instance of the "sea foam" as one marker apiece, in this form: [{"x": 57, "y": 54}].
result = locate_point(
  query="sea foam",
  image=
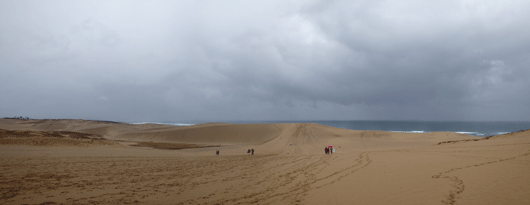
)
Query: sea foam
[{"x": 413, "y": 131}]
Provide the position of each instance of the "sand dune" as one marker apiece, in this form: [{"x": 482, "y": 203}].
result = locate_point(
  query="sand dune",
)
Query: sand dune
[
  {"x": 52, "y": 138},
  {"x": 90, "y": 162}
]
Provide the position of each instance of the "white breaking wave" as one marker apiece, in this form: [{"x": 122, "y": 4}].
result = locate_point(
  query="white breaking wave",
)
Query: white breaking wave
[
  {"x": 467, "y": 133},
  {"x": 471, "y": 133},
  {"x": 141, "y": 123},
  {"x": 413, "y": 131}
]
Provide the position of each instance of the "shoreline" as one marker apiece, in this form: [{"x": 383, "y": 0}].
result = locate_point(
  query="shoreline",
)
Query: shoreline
[{"x": 474, "y": 128}]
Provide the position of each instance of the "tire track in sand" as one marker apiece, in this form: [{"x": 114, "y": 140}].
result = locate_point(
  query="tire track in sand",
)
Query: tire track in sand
[
  {"x": 458, "y": 184},
  {"x": 291, "y": 182}
]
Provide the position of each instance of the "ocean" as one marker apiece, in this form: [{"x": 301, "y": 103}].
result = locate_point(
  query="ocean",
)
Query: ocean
[{"x": 481, "y": 129}]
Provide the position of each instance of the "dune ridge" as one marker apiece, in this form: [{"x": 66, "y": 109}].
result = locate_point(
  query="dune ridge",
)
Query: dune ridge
[
  {"x": 276, "y": 135},
  {"x": 52, "y": 138},
  {"x": 289, "y": 165}
]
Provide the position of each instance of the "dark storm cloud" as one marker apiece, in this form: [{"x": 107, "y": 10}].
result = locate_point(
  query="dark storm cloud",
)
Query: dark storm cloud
[{"x": 210, "y": 60}]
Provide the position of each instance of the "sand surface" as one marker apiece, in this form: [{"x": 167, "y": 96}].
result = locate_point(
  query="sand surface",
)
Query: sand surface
[{"x": 91, "y": 162}]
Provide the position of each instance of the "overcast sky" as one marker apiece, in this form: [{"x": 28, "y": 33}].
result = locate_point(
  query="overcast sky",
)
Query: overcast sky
[{"x": 265, "y": 60}]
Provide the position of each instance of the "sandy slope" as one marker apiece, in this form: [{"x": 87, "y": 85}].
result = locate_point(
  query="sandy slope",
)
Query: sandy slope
[{"x": 369, "y": 167}]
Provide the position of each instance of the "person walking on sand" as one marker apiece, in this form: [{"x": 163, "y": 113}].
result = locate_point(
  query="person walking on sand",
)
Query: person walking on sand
[
  {"x": 252, "y": 151},
  {"x": 248, "y": 152}
]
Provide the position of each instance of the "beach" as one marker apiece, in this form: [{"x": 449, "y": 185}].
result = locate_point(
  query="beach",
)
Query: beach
[{"x": 96, "y": 162}]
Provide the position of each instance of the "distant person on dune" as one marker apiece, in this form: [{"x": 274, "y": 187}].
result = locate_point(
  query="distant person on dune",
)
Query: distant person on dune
[
  {"x": 248, "y": 152},
  {"x": 252, "y": 151}
]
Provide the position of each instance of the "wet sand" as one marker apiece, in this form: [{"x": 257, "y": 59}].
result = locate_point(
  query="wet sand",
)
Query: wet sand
[{"x": 90, "y": 162}]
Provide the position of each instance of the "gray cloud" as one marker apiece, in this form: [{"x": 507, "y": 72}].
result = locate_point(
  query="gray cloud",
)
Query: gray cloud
[{"x": 283, "y": 60}]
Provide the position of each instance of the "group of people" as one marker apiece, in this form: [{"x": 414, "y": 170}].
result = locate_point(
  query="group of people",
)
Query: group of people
[
  {"x": 250, "y": 152},
  {"x": 329, "y": 150}
]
